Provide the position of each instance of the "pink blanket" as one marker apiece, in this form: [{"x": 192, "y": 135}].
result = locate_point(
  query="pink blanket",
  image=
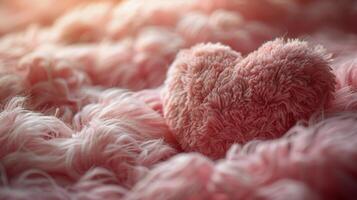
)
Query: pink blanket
[{"x": 179, "y": 99}]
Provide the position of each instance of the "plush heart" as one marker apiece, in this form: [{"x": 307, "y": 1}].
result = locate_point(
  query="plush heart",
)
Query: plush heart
[{"x": 213, "y": 97}]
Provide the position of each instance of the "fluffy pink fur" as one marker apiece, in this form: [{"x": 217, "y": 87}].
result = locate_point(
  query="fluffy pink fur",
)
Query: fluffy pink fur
[
  {"x": 141, "y": 29},
  {"x": 20, "y": 14},
  {"x": 131, "y": 141},
  {"x": 213, "y": 97},
  {"x": 84, "y": 113},
  {"x": 314, "y": 162}
]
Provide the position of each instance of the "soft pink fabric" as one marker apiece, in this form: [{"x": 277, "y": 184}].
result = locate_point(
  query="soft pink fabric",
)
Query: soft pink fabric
[
  {"x": 314, "y": 162},
  {"x": 179, "y": 99},
  {"x": 19, "y": 14},
  {"x": 213, "y": 97}
]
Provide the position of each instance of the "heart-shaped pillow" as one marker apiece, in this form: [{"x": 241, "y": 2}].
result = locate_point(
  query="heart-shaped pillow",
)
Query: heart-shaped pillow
[{"x": 213, "y": 97}]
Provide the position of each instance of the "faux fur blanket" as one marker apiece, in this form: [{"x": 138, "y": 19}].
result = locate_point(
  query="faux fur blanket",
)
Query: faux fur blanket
[{"x": 178, "y": 99}]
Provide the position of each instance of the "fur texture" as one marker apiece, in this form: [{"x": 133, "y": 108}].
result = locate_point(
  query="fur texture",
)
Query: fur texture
[
  {"x": 213, "y": 97},
  {"x": 307, "y": 163},
  {"x": 88, "y": 110}
]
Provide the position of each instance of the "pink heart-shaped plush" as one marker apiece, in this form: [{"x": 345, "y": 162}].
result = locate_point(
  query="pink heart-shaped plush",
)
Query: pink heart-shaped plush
[{"x": 213, "y": 97}]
